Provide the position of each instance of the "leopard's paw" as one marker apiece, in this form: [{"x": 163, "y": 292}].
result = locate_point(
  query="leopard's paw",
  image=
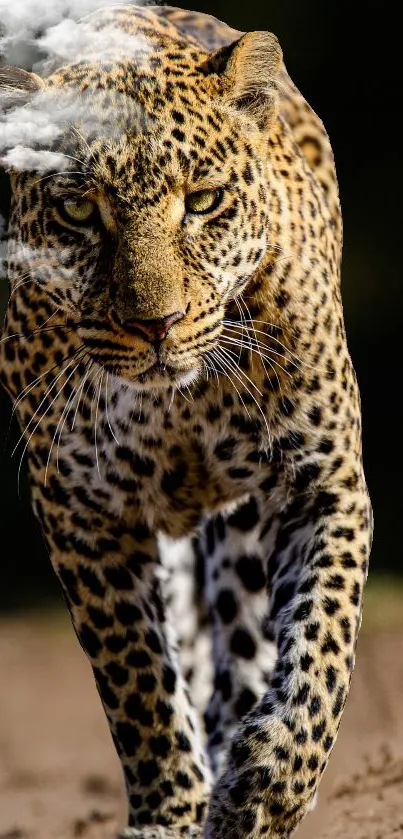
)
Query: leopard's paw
[{"x": 267, "y": 785}]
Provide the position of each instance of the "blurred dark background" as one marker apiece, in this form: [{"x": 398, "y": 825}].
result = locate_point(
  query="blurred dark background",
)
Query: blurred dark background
[{"x": 345, "y": 57}]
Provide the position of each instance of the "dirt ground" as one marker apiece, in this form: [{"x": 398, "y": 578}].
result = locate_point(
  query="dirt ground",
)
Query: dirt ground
[{"x": 60, "y": 779}]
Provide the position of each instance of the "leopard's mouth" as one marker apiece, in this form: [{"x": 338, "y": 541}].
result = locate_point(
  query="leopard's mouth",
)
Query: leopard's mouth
[{"x": 160, "y": 375}]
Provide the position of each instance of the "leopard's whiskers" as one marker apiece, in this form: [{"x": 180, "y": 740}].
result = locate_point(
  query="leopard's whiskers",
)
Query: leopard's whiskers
[
  {"x": 171, "y": 401},
  {"x": 258, "y": 350},
  {"x": 183, "y": 395},
  {"x": 82, "y": 385},
  {"x": 47, "y": 392},
  {"x": 231, "y": 324},
  {"x": 224, "y": 367},
  {"x": 27, "y": 389},
  {"x": 107, "y": 410},
  {"x": 96, "y": 420},
  {"x": 81, "y": 349},
  {"x": 235, "y": 342},
  {"x": 238, "y": 370},
  {"x": 60, "y": 425},
  {"x": 23, "y": 337},
  {"x": 85, "y": 143},
  {"x": 66, "y": 173},
  {"x": 29, "y": 277}
]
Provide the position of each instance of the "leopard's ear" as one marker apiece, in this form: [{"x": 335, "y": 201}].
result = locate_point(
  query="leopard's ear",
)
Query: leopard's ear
[
  {"x": 247, "y": 70},
  {"x": 17, "y": 86}
]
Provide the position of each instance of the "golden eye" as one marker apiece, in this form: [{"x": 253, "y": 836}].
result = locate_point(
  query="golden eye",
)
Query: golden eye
[
  {"x": 203, "y": 201},
  {"x": 79, "y": 211}
]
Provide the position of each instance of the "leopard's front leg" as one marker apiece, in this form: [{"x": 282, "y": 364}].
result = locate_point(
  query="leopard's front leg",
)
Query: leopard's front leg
[
  {"x": 281, "y": 749},
  {"x": 110, "y": 576}
]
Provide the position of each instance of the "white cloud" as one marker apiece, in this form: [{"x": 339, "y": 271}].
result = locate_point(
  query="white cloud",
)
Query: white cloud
[
  {"x": 63, "y": 29},
  {"x": 36, "y": 123},
  {"x": 28, "y": 132},
  {"x": 24, "y": 20},
  {"x": 23, "y": 158},
  {"x": 71, "y": 41}
]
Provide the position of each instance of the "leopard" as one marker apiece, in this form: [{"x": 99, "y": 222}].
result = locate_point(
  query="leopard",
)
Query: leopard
[{"x": 175, "y": 349}]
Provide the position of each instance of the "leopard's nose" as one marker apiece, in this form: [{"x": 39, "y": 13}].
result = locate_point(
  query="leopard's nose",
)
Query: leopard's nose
[{"x": 154, "y": 330}]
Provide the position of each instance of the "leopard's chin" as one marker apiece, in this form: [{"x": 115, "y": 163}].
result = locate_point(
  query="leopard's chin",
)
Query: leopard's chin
[
  {"x": 157, "y": 377},
  {"x": 164, "y": 377}
]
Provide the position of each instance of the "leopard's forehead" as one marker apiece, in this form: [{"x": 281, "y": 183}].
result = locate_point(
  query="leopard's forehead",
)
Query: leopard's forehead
[
  {"x": 154, "y": 116},
  {"x": 153, "y": 111},
  {"x": 153, "y": 66},
  {"x": 161, "y": 80}
]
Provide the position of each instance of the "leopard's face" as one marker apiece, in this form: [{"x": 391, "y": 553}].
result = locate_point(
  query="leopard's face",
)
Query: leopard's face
[{"x": 161, "y": 217}]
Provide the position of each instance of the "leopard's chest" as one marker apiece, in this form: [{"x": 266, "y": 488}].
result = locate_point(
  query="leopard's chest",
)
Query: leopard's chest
[
  {"x": 167, "y": 463},
  {"x": 184, "y": 466}
]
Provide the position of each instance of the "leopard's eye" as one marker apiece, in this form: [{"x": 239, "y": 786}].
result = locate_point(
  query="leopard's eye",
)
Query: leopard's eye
[
  {"x": 203, "y": 201},
  {"x": 79, "y": 211}
]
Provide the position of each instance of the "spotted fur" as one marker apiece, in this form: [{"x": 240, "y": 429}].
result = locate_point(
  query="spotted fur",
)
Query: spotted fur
[{"x": 238, "y": 427}]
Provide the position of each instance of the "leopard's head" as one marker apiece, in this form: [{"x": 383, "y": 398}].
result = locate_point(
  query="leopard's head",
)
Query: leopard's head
[{"x": 155, "y": 216}]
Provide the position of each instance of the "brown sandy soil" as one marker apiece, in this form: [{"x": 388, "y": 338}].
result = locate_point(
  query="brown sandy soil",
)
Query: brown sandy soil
[{"x": 60, "y": 779}]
